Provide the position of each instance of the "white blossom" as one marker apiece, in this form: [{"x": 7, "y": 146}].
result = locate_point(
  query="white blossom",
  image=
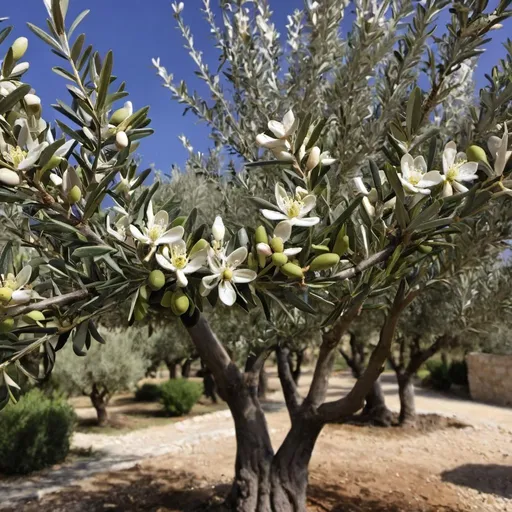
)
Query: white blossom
[
  {"x": 456, "y": 169},
  {"x": 293, "y": 208},
  {"x": 280, "y": 144},
  {"x": 414, "y": 176},
  {"x": 20, "y": 294},
  {"x": 499, "y": 151},
  {"x": 226, "y": 274}
]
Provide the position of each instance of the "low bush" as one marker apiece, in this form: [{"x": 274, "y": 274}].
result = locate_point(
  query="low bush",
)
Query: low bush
[
  {"x": 458, "y": 373},
  {"x": 439, "y": 375},
  {"x": 180, "y": 395},
  {"x": 148, "y": 393},
  {"x": 35, "y": 433}
]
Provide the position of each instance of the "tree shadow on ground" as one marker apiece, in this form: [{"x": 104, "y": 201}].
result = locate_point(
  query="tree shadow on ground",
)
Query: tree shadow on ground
[
  {"x": 152, "y": 489},
  {"x": 486, "y": 478}
]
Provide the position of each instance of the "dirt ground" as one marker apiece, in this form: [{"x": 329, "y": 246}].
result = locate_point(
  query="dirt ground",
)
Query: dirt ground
[{"x": 444, "y": 466}]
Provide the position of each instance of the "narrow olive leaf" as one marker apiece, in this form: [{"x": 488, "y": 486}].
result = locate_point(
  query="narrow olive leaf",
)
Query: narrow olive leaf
[
  {"x": 77, "y": 22},
  {"x": 45, "y": 37},
  {"x": 317, "y": 131},
  {"x": 77, "y": 47},
  {"x": 424, "y": 216},
  {"x": 8, "y": 63},
  {"x": 58, "y": 18},
  {"x": 75, "y": 135},
  {"x": 13, "y": 98},
  {"x": 140, "y": 179},
  {"x": 69, "y": 113},
  {"x": 302, "y": 131},
  {"x": 4, "y": 33},
  {"x": 63, "y": 73},
  {"x": 6, "y": 258},
  {"x": 80, "y": 338},
  {"x": 96, "y": 196},
  {"x": 84, "y": 59},
  {"x": 95, "y": 334},
  {"x": 376, "y": 179},
  {"x": 342, "y": 218},
  {"x": 92, "y": 250},
  {"x": 413, "y": 114},
  {"x": 434, "y": 224},
  {"x": 262, "y": 203},
  {"x": 295, "y": 301},
  {"x": 188, "y": 225},
  {"x": 104, "y": 81},
  {"x": 49, "y": 151},
  {"x": 401, "y": 214},
  {"x": 432, "y": 149},
  {"x": 395, "y": 183}
]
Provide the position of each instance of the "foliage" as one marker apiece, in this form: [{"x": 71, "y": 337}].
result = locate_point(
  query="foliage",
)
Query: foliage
[
  {"x": 35, "y": 433},
  {"x": 458, "y": 373},
  {"x": 179, "y": 396},
  {"x": 148, "y": 393},
  {"x": 114, "y": 366},
  {"x": 439, "y": 375}
]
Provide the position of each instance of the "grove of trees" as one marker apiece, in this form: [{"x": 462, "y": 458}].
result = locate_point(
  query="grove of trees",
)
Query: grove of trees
[{"x": 358, "y": 186}]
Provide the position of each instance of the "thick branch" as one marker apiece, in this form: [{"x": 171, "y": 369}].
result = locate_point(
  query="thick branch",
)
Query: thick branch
[
  {"x": 227, "y": 376},
  {"x": 330, "y": 341},
  {"x": 254, "y": 365},
  {"x": 373, "y": 260},
  {"x": 59, "y": 300},
  {"x": 354, "y": 400},
  {"x": 291, "y": 394},
  {"x": 424, "y": 355}
]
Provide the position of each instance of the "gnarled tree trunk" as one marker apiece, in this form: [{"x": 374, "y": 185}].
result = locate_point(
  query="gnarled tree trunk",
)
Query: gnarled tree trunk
[
  {"x": 375, "y": 407},
  {"x": 186, "y": 367},
  {"x": 99, "y": 400},
  {"x": 407, "y": 401},
  {"x": 172, "y": 366}
]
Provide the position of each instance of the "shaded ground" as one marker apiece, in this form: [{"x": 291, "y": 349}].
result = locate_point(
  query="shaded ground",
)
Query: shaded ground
[{"x": 439, "y": 467}]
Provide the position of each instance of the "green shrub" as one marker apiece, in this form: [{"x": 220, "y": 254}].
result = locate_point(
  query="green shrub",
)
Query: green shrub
[
  {"x": 35, "y": 433},
  {"x": 439, "y": 375},
  {"x": 148, "y": 393},
  {"x": 180, "y": 395},
  {"x": 458, "y": 373}
]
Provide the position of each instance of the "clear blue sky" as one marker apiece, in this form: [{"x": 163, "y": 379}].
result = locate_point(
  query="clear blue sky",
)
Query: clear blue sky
[{"x": 138, "y": 30}]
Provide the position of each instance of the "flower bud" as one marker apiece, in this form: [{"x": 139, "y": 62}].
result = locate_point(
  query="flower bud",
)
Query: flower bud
[
  {"x": 19, "y": 47},
  {"x": 324, "y": 261},
  {"x": 9, "y": 178},
  {"x": 342, "y": 244},
  {"x": 53, "y": 162},
  {"x": 5, "y": 294},
  {"x": 218, "y": 229},
  {"x": 156, "y": 280},
  {"x": 122, "y": 140},
  {"x": 279, "y": 259},
  {"x": 261, "y": 235},
  {"x": 313, "y": 158},
  {"x": 166, "y": 300},
  {"x": 33, "y": 104},
  {"x": 320, "y": 248},
  {"x": 199, "y": 246},
  {"x": 6, "y": 325},
  {"x": 476, "y": 154},
  {"x": 292, "y": 270},
  {"x": 277, "y": 244},
  {"x": 20, "y": 68},
  {"x": 179, "y": 303},
  {"x": 264, "y": 249},
  {"x": 33, "y": 317},
  {"x": 425, "y": 249},
  {"x": 74, "y": 195},
  {"x": 121, "y": 114}
]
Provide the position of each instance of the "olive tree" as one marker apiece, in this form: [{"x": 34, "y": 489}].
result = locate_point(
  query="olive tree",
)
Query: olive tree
[
  {"x": 106, "y": 369},
  {"x": 312, "y": 244}
]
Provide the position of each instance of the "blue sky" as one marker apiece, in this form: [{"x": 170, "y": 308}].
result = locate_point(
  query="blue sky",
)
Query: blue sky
[{"x": 138, "y": 30}]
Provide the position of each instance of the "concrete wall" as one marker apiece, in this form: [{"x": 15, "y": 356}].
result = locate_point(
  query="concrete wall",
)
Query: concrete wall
[{"x": 490, "y": 378}]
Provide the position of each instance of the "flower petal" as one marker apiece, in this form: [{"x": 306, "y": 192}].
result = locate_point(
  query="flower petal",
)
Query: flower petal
[
  {"x": 164, "y": 262},
  {"x": 494, "y": 144},
  {"x": 150, "y": 217},
  {"x": 181, "y": 278},
  {"x": 359, "y": 186},
  {"x": 277, "y": 128},
  {"x": 273, "y": 215},
  {"x": 173, "y": 235},
  {"x": 138, "y": 235},
  {"x": 409, "y": 187},
  {"x": 431, "y": 179},
  {"x": 467, "y": 171},
  {"x": 420, "y": 164},
  {"x": 283, "y": 230},
  {"x": 215, "y": 263},
  {"x": 309, "y": 203},
  {"x": 244, "y": 275},
  {"x": 406, "y": 165},
  {"x": 459, "y": 187},
  {"x": 162, "y": 218},
  {"x": 210, "y": 282},
  {"x": 265, "y": 141},
  {"x": 449, "y": 154},
  {"x": 292, "y": 251},
  {"x": 281, "y": 197},
  {"x": 227, "y": 293},
  {"x": 447, "y": 189},
  {"x": 290, "y": 123},
  {"x": 196, "y": 262},
  {"x": 237, "y": 257},
  {"x": 306, "y": 221}
]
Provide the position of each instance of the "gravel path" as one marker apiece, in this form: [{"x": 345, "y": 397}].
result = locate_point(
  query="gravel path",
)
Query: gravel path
[{"x": 490, "y": 435}]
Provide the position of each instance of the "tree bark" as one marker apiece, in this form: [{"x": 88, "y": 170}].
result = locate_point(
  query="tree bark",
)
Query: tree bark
[
  {"x": 99, "y": 402},
  {"x": 407, "y": 401},
  {"x": 375, "y": 408},
  {"x": 262, "y": 384},
  {"x": 186, "y": 367},
  {"x": 172, "y": 366}
]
